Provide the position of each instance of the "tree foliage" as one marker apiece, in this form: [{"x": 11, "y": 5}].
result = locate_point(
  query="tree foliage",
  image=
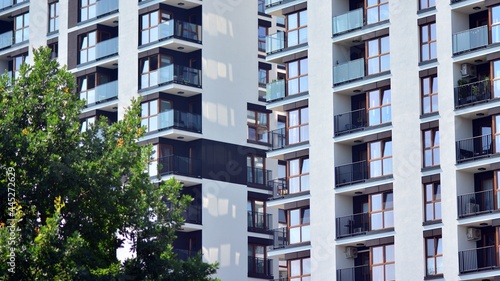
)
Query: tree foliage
[{"x": 76, "y": 196}]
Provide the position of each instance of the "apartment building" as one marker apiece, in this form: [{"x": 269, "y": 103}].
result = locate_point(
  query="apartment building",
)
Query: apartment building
[{"x": 313, "y": 135}]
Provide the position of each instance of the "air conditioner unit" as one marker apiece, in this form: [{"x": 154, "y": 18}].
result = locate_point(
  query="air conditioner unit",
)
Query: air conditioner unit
[
  {"x": 468, "y": 70},
  {"x": 473, "y": 234},
  {"x": 351, "y": 252}
]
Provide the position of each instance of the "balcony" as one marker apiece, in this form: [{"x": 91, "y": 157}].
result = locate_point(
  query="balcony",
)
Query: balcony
[
  {"x": 102, "y": 8},
  {"x": 5, "y": 4},
  {"x": 183, "y": 254},
  {"x": 475, "y": 203},
  {"x": 100, "y": 94},
  {"x": 172, "y": 74},
  {"x": 351, "y": 173},
  {"x": 275, "y": 42},
  {"x": 279, "y": 187},
  {"x": 472, "y": 93},
  {"x": 349, "y": 122},
  {"x": 258, "y": 176},
  {"x": 348, "y": 71},
  {"x": 260, "y": 267},
  {"x": 192, "y": 214},
  {"x": 175, "y": 29},
  {"x": 469, "y": 40},
  {"x": 474, "y": 148},
  {"x": 357, "y": 273},
  {"x": 101, "y": 50},
  {"x": 275, "y": 90},
  {"x": 282, "y": 44},
  {"x": 6, "y": 39},
  {"x": 348, "y": 21},
  {"x": 352, "y": 225},
  {"x": 259, "y": 222},
  {"x": 175, "y": 119},
  {"x": 478, "y": 259},
  {"x": 179, "y": 165},
  {"x": 280, "y": 238}
]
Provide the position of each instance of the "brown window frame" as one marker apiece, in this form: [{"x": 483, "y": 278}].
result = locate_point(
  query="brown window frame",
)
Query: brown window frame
[
  {"x": 303, "y": 164},
  {"x": 23, "y": 29},
  {"x": 53, "y": 17},
  {"x": 84, "y": 9},
  {"x": 428, "y": 45},
  {"x": 158, "y": 111},
  {"x": 301, "y": 74},
  {"x": 382, "y": 92},
  {"x": 432, "y": 201},
  {"x": 262, "y": 41},
  {"x": 434, "y": 255},
  {"x": 302, "y": 273},
  {"x": 256, "y": 126},
  {"x": 384, "y": 262},
  {"x": 304, "y": 216},
  {"x": 428, "y": 93},
  {"x": 378, "y": 56},
  {"x": 302, "y": 123},
  {"x": 301, "y": 16},
  {"x": 377, "y": 6},
  {"x": 382, "y": 158},
  {"x": 162, "y": 16},
  {"x": 385, "y": 208},
  {"x": 431, "y": 146}
]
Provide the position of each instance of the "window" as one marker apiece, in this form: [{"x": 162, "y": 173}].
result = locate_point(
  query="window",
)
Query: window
[
  {"x": 296, "y": 28},
  {"x": 379, "y": 107},
  {"x": 424, "y": 4},
  {"x": 15, "y": 65},
  {"x": 382, "y": 263},
  {"x": 297, "y": 76},
  {"x": 88, "y": 9},
  {"x": 257, "y": 214},
  {"x": 380, "y": 162},
  {"x": 430, "y": 94},
  {"x": 263, "y": 77},
  {"x": 88, "y": 42},
  {"x": 155, "y": 70},
  {"x": 262, "y": 38},
  {"x": 162, "y": 155},
  {"x": 151, "y": 28},
  {"x": 54, "y": 50},
  {"x": 299, "y": 269},
  {"x": 298, "y": 226},
  {"x": 256, "y": 169},
  {"x": 298, "y": 125},
  {"x": 54, "y": 17},
  {"x": 377, "y": 10},
  {"x": 434, "y": 255},
  {"x": 87, "y": 123},
  {"x": 496, "y": 77},
  {"x": 381, "y": 211},
  {"x": 261, "y": 8},
  {"x": 87, "y": 86},
  {"x": 257, "y": 259},
  {"x": 428, "y": 42},
  {"x": 431, "y": 147},
  {"x": 298, "y": 175},
  {"x": 432, "y": 193},
  {"x": 21, "y": 28},
  {"x": 495, "y": 24},
  {"x": 154, "y": 116},
  {"x": 378, "y": 55},
  {"x": 258, "y": 126}
]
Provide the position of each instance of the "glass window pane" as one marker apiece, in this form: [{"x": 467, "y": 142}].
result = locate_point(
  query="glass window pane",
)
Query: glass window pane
[
  {"x": 306, "y": 234},
  {"x": 377, "y": 255},
  {"x": 153, "y": 107},
  {"x": 388, "y": 219},
  {"x": 429, "y": 212},
  {"x": 303, "y": 84},
  {"x": 294, "y": 217},
  {"x": 304, "y": 183},
  {"x": 384, "y": 45},
  {"x": 375, "y": 150},
  {"x": 387, "y": 148},
  {"x": 295, "y": 235},
  {"x": 292, "y": 21},
  {"x": 293, "y": 86},
  {"x": 306, "y": 266},
  {"x": 389, "y": 253},
  {"x": 293, "y": 69},
  {"x": 390, "y": 272},
  {"x": 295, "y": 267},
  {"x": 305, "y": 166},
  {"x": 375, "y": 169},
  {"x": 373, "y": 48},
  {"x": 376, "y": 202},
  {"x": 294, "y": 184},
  {"x": 294, "y": 167}
]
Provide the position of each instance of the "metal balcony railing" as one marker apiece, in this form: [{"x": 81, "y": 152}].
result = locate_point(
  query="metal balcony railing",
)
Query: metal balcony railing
[
  {"x": 469, "y": 40},
  {"x": 474, "y": 148},
  {"x": 279, "y": 187},
  {"x": 277, "y": 139},
  {"x": 101, "y": 93},
  {"x": 259, "y": 221},
  {"x": 258, "y": 176},
  {"x": 350, "y": 122},
  {"x": 275, "y": 90},
  {"x": 280, "y": 238},
  {"x": 192, "y": 214},
  {"x": 179, "y": 165},
  {"x": 348, "y": 21},
  {"x": 260, "y": 267},
  {"x": 475, "y": 203},
  {"x": 351, "y": 173},
  {"x": 357, "y": 273},
  {"x": 477, "y": 259},
  {"x": 353, "y": 225},
  {"x": 348, "y": 71},
  {"x": 472, "y": 93}
]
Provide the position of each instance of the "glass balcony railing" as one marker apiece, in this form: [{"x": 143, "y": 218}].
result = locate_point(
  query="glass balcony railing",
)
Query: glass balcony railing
[
  {"x": 100, "y": 93},
  {"x": 478, "y": 259},
  {"x": 259, "y": 221},
  {"x": 260, "y": 267},
  {"x": 280, "y": 238},
  {"x": 104, "y": 7},
  {"x": 470, "y": 39},
  {"x": 261, "y": 6},
  {"x": 279, "y": 187},
  {"x": 350, "y": 122},
  {"x": 353, "y": 225},
  {"x": 172, "y": 74},
  {"x": 349, "y": 71},
  {"x": 275, "y": 42},
  {"x": 258, "y": 176},
  {"x": 475, "y": 203},
  {"x": 192, "y": 214},
  {"x": 271, "y": 3},
  {"x": 275, "y": 90},
  {"x": 474, "y": 148},
  {"x": 179, "y": 165},
  {"x": 472, "y": 93},
  {"x": 179, "y": 29},
  {"x": 106, "y": 48},
  {"x": 176, "y": 119},
  {"x": 351, "y": 173},
  {"x": 6, "y": 39},
  {"x": 348, "y": 21},
  {"x": 5, "y": 3},
  {"x": 277, "y": 139},
  {"x": 357, "y": 273}
]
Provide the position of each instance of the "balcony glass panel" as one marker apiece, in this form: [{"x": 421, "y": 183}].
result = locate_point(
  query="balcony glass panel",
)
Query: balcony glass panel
[
  {"x": 270, "y": 3},
  {"x": 275, "y": 90},
  {"x": 180, "y": 29},
  {"x": 349, "y": 71},
  {"x": 101, "y": 93},
  {"x": 470, "y": 39},
  {"x": 350, "y": 121},
  {"x": 106, "y": 6},
  {"x": 275, "y": 42},
  {"x": 172, "y": 74},
  {"x": 5, "y": 3},
  {"x": 349, "y": 21},
  {"x": 106, "y": 48},
  {"x": 6, "y": 39}
]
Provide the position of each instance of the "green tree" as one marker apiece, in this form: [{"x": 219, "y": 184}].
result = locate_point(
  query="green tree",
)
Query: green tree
[{"x": 75, "y": 196}]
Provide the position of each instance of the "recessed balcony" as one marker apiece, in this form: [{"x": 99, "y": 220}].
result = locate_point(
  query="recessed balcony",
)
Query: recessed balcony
[
  {"x": 101, "y": 51},
  {"x": 280, "y": 238},
  {"x": 474, "y": 148},
  {"x": 347, "y": 22},
  {"x": 176, "y": 165},
  {"x": 351, "y": 173},
  {"x": 184, "y": 254},
  {"x": 349, "y": 71},
  {"x": 258, "y": 176},
  {"x": 476, "y": 203},
  {"x": 6, "y": 39},
  {"x": 260, "y": 267},
  {"x": 173, "y": 119},
  {"x": 100, "y": 94},
  {"x": 275, "y": 90},
  {"x": 184, "y": 77},
  {"x": 352, "y": 225},
  {"x": 478, "y": 259},
  {"x": 281, "y": 44},
  {"x": 279, "y": 188},
  {"x": 192, "y": 214},
  {"x": 101, "y": 9},
  {"x": 259, "y": 222},
  {"x": 175, "y": 35},
  {"x": 474, "y": 93},
  {"x": 356, "y": 273},
  {"x": 469, "y": 40}
]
